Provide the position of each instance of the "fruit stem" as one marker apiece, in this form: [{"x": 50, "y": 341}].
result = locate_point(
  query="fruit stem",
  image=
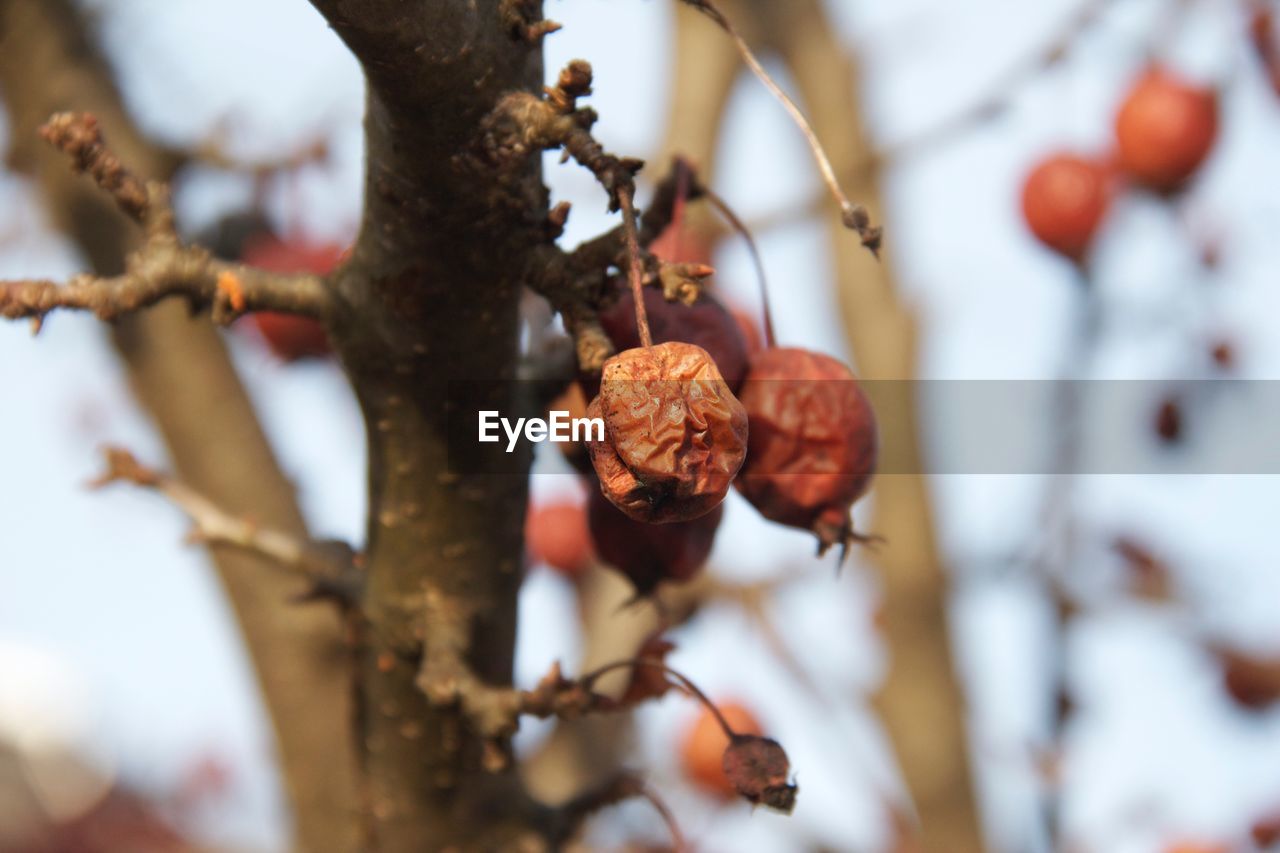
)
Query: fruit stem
[
  {"x": 634, "y": 274},
  {"x": 684, "y": 681},
  {"x": 741, "y": 227},
  {"x": 854, "y": 216}
]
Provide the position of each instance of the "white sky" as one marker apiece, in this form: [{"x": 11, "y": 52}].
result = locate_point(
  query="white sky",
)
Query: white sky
[{"x": 152, "y": 688}]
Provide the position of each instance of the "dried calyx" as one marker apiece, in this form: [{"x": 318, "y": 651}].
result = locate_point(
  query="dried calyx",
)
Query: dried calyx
[{"x": 813, "y": 445}]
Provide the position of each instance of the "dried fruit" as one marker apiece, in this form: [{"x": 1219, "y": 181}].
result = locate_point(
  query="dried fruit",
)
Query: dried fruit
[
  {"x": 1064, "y": 200},
  {"x": 675, "y": 436},
  {"x": 1253, "y": 682},
  {"x": 706, "y": 323},
  {"x": 291, "y": 337},
  {"x": 812, "y": 448},
  {"x": 556, "y": 534},
  {"x": 703, "y": 749},
  {"x": 1164, "y": 129},
  {"x": 649, "y": 554},
  {"x": 759, "y": 770}
]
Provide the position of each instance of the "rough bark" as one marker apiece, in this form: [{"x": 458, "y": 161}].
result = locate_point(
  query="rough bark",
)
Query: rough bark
[
  {"x": 179, "y": 370},
  {"x": 431, "y": 295}
]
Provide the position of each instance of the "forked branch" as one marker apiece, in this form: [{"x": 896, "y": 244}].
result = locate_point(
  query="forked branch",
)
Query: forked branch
[{"x": 164, "y": 266}]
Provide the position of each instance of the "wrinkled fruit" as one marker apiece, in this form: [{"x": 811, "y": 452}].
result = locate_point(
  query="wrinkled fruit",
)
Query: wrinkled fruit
[
  {"x": 759, "y": 770},
  {"x": 649, "y": 554},
  {"x": 1064, "y": 200},
  {"x": 706, "y": 323},
  {"x": 812, "y": 448},
  {"x": 675, "y": 436},
  {"x": 703, "y": 750},
  {"x": 556, "y": 534},
  {"x": 1164, "y": 130}
]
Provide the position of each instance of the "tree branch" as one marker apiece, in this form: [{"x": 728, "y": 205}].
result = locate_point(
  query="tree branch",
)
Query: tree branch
[
  {"x": 330, "y": 566},
  {"x": 163, "y": 266}
]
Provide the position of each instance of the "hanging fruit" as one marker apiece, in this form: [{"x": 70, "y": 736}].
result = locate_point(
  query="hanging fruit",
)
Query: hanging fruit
[
  {"x": 1164, "y": 129},
  {"x": 1064, "y": 200},
  {"x": 812, "y": 447}
]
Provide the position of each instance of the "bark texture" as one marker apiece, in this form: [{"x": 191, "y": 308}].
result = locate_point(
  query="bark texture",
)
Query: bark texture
[{"x": 179, "y": 370}]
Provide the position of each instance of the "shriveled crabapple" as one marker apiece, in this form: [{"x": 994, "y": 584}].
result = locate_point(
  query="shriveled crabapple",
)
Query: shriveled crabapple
[
  {"x": 1165, "y": 128},
  {"x": 704, "y": 744},
  {"x": 649, "y": 554},
  {"x": 813, "y": 446},
  {"x": 675, "y": 435},
  {"x": 1064, "y": 200}
]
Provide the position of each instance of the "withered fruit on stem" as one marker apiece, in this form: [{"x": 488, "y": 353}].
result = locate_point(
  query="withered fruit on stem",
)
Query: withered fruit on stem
[
  {"x": 813, "y": 445},
  {"x": 675, "y": 436},
  {"x": 650, "y": 554}
]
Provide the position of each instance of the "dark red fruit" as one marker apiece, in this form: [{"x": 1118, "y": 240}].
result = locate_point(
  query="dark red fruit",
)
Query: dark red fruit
[
  {"x": 675, "y": 436},
  {"x": 1164, "y": 129},
  {"x": 649, "y": 554},
  {"x": 680, "y": 245},
  {"x": 1064, "y": 200},
  {"x": 706, "y": 323},
  {"x": 648, "y": 681},
  {"x": 812, "y": 443},
  {"x": 556, "y": 534},
  {"x": 1168, "y": 421},
  {"x": 289, "y": 336}
]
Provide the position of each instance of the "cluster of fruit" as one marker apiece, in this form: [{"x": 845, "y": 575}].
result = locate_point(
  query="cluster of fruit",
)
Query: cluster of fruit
[
  {"x": 701, "y": 409},
  {"x": 1164, "y": 130}
]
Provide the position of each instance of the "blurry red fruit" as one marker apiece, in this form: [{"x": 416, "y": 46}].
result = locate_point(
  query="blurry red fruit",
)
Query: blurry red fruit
[
  {"x": 292, "y": 337},
  {"x": 1168, "y": 422},
  {"x": 649, "y": 554},
  {"x": 811, "y": 442},
  {"x": 702, "y": 751},
  {"x": 556, "y": 534},
  {"x": 1253, "y": 682},
  {"x": 1164, "y": 130},
  {"x": 705, "y": 323},
  {"x": 1064, "y": 200},
  {"x": 679, "y": 245}
]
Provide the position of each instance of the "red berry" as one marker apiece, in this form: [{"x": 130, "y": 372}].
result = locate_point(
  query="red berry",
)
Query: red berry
[
  {"x": 292, "y": 337},
  {"x": 1064, "y": 200},
  {"x": 556, "y": 534},
  {"x": 675, "y": 436},
  {"x": 702, "y": 751},
  {"x": 1165, "y": 129},
  {"x": 705, "y": 323},
  {"x": 811, "y": 447},
  {"x": 679, "y": 245},
  {"x": 649, "y": 554}
]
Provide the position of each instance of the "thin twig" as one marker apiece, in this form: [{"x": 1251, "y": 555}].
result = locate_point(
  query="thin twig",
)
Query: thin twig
[
  {"x": 854, "y": 216},
  {"x": 634, "y": 273},
  {"x": 330, "y": 566},
  {"x": 761, "y": 279}
]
